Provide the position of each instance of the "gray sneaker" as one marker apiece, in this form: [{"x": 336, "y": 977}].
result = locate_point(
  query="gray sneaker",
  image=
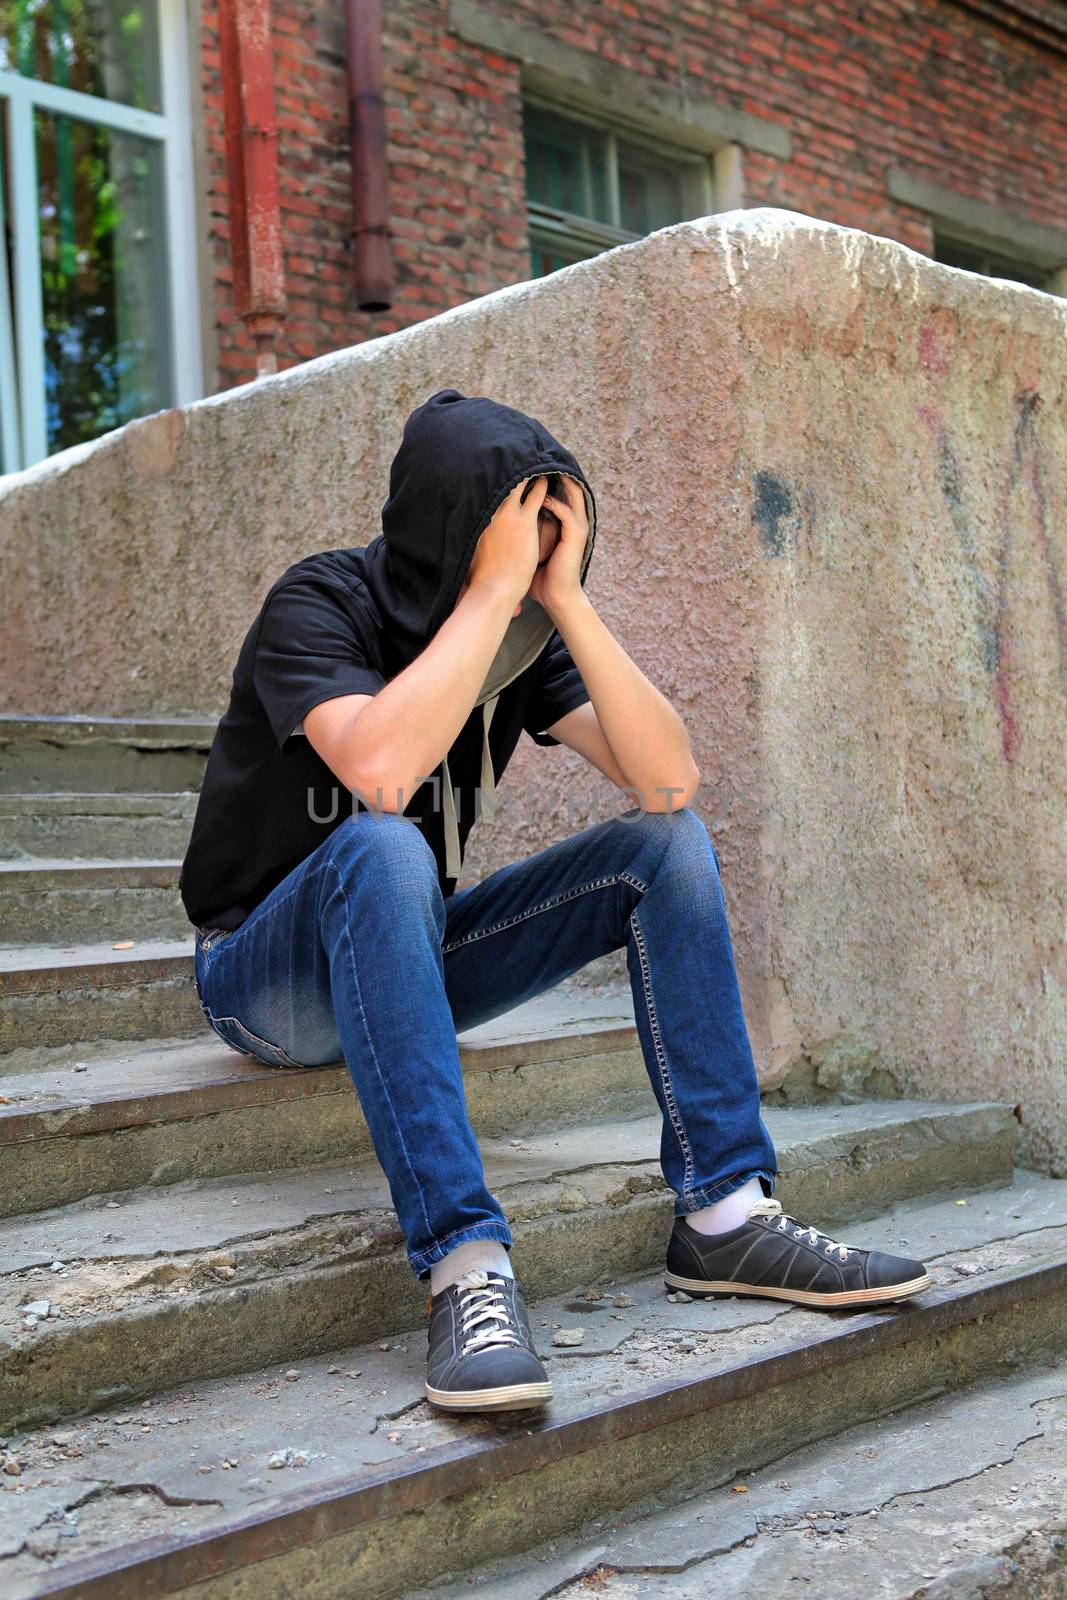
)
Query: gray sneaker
[
  {"x": 481, "y": 1355},
  {"x": 773, "y": 1254}
]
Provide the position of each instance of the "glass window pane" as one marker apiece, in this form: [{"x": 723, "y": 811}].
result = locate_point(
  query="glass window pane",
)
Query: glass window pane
[
  {"x": 650, "y": 191},
  {"x": 549, "y": 255},
  {"x": 953, "y": 253},
  {"x": 108, "y": 48},
  {"x": 566, "y": 165},
  {"x": 103, "y": 278}
]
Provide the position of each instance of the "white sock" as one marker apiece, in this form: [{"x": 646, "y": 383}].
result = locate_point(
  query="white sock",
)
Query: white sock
[
  {"x": 489, "y": 1254},
  {"x": 730, "y": 1211}
]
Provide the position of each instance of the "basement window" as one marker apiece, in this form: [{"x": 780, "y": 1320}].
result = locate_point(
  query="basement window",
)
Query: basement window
[
  {"x": 592, "y": 184},
  {"x": 975, "y": 258}
]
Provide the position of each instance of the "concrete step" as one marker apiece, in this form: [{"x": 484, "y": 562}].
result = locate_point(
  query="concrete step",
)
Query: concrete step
[
  {"x": 158, "y": 1114},
  {"x": 53, "y": 996},
  {"x": 126, "y": 1118},
  {"x": 198, "y": 1279},
  {"x": 955, "y": 1498},
  {"x": 106, "y": 827},
  {"x": 65, "y": 1003},
  {"x": 71, "y": 900},
  {"x": 661, "y": 1398},
  {"x": 95, "y": 755}
]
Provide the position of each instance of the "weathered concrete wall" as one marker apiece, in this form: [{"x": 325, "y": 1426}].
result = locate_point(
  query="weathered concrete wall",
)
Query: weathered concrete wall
[{"x": 832, "y": 481}]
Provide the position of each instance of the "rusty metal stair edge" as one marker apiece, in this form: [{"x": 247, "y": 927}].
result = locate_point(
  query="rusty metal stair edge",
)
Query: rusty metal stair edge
[{"x": 167, "y": 1565}]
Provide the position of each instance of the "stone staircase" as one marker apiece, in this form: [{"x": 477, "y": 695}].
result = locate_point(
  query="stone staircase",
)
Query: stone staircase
[{"x": 211, "y": 1344}]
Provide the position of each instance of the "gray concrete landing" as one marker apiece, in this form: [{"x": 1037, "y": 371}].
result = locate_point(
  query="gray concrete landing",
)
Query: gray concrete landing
[{"x": 963, "y": 1498}]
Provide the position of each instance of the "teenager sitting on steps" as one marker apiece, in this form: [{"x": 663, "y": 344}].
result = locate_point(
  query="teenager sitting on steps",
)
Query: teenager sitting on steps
[{"x": 376, "y": 701}]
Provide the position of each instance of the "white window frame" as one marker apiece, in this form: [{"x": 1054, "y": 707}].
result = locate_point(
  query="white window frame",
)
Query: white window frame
[
  {"x": 566, "y": 231},
  {"x": 23, "y": 428}
]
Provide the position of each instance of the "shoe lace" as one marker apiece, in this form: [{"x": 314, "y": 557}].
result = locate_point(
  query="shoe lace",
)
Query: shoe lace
[
  {"x": 482, "y": 1301},
  {"x": 769, "y": 1208}
]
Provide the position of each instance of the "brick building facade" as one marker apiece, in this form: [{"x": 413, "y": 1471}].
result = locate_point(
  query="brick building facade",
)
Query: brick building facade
[{"x": 940, "y": 123}]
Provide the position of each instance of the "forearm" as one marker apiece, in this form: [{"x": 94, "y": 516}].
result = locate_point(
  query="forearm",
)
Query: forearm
[
  {"x": 401, "y": 735},
  {"x": 647, "y": 736}
]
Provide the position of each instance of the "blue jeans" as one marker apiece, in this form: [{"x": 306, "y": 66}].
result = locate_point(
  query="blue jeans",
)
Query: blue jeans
[{"x": 357, "y": 954}]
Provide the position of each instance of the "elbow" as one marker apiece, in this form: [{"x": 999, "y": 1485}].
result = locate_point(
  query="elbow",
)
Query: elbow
[
  {"x": 381, "y": 791},
  {"x": 674, "y": 796},
  {"x": 376, "y": 777},
  {"x": 692, "y": 784},
  {"x": 378, "y": 785}
]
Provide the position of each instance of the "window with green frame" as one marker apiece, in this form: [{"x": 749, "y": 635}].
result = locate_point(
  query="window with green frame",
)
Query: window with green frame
[
  {"x": 975, "y": 258},
  {"x": 592, "y": 184}
]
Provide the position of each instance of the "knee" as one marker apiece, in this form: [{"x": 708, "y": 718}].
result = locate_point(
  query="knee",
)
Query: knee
[
  {"x": 383, "y": 848},
  {"x": 677, "y": 829},
  {"x": 679, "y": 835}
]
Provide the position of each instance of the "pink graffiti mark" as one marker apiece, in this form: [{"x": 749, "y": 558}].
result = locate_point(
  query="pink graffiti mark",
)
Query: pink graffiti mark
[
  {"x": 930, "y": 417},
  {"x": 990, "y": 601},
  {"x": 1009, "y": 728},
  {"x": 935, "y": 352}
]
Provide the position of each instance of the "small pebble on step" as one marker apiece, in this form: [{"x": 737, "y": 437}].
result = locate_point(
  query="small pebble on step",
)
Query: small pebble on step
[{"x": 568, "y": 1336}]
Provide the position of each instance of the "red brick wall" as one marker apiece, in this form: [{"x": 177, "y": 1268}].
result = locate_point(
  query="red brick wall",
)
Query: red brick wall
[{"x": 924, "y": 84}]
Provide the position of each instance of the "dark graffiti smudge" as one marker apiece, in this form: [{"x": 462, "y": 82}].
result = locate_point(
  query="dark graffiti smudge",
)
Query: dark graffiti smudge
[{"x": 772, "y": 504}]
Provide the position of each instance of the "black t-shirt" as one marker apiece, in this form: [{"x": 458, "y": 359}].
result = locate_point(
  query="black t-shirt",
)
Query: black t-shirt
[{"x": 268, "y": 800}]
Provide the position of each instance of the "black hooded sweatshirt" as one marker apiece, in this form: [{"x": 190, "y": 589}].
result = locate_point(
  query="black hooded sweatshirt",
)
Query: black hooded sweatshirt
[{"x": 346, "y": 622}]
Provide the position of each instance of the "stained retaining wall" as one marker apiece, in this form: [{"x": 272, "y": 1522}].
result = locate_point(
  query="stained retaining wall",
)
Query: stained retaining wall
[{"x": 832, "y": 481}]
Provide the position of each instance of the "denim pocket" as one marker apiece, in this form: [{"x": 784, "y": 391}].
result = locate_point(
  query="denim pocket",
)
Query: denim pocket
[
  {"x": 242, "y": 1039},
  {"x": 229, "y": 1029}
]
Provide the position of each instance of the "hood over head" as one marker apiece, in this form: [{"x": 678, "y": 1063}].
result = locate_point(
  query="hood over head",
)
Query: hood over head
[{"x": 459, "y": 459}]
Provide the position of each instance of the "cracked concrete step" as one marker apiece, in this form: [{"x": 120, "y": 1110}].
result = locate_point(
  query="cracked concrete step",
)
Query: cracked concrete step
[
  {"x": 148, "y": 827},
  {"x": 663, "y": 1398},
  {"x": 94, "y": 755},
  {"x": 194, "y": 1280},
  {"x": 71, "y": 900},
  {"x": 158, "y": 1114},
  {"x": 81, "y": 1124},
  {"x": 75, "y": 994},
  {"x": 956, "y": 1498}
]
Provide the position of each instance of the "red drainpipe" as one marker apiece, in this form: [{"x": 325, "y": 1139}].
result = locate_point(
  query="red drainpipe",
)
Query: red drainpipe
[
  {"x": 372, "y": 253},
  {"x": 251, "y": 134}
]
